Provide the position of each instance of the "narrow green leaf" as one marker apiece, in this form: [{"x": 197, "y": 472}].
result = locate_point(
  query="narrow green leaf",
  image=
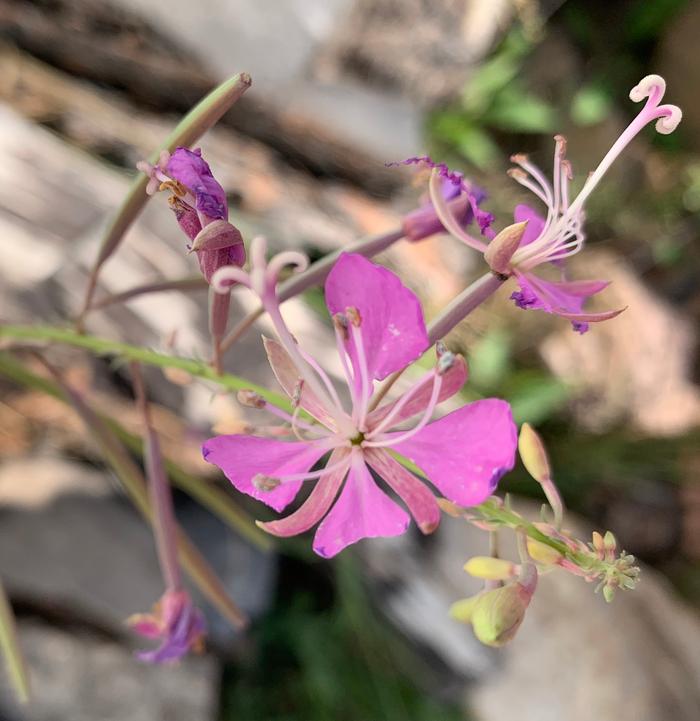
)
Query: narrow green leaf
[
  {"x": 9, "y": 644},
  {"x": 103, "y": 346}
]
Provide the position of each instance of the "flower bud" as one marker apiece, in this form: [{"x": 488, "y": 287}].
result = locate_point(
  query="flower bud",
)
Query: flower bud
[
  {"x": 497, "y": 614},
  {"x": 502, "y": 248},
  {"x": 490, "y": 569},
  {"x": 542, "y": 553},
  {"x": 533, "y": 454}
]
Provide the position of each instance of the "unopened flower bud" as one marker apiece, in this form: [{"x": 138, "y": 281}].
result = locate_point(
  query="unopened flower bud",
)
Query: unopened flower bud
[
  {"x": 542, "y": 553},
  {"x": 497, "y": 614},
  {"x": 533, "y": 454},
  {"x": 250, "y": 398},
  {"x": 490, "y": 569},
  {"x": 265, "y": 483},
  {"x": 502, "y": 248}
]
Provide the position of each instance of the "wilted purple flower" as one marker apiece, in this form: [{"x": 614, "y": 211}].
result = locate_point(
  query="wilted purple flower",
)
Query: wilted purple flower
[
  {"x": 176, "y": 622},
  {"x": 379, "y": 330},
  {"x": 462, "y": 199},
  {"x": 199, "y": 204}
]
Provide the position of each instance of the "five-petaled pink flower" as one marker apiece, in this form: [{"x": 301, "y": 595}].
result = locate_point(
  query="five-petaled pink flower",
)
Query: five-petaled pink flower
[
  {"x": 552, "y": 239},
  {"x": 379, "y": 329},
  {"x": 177, "y": 622}
]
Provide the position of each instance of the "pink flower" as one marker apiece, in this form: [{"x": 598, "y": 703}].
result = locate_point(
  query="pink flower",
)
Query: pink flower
[
  {"x": 199, "y": 204},
  {"x": 559, "y": 235},
  {"x": 379, "y": 329},
  {"x": 177, "y": 622}
]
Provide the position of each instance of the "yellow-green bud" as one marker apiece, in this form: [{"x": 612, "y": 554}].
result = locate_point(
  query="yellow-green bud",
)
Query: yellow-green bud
[
  {"x": 497, "y": 614},
  {"x": 533, "y": 454},
  {"x": 542, "y": 553},
  {"x": 490, "y": 569},
  {"x": 462, "y": 610}
]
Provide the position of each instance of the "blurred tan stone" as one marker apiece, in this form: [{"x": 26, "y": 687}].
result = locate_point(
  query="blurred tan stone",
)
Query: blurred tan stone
[{"x": 636, "y": 367}]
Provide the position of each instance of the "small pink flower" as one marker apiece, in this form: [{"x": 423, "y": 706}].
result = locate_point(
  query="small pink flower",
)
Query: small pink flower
[
  {"x": 198, "y": 202},
  {"x": 559, "y": 235},
  {"x": 174, "y": 620},
  {"x": 379, "y": 330}
]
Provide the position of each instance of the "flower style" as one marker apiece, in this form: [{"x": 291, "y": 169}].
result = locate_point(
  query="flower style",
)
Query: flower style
[
  {"x": 379, "y": 329},
  {"x": 199, "y": 204},
  {"x": 177, "y": 622},
  {"x": 559, "y": 235}
]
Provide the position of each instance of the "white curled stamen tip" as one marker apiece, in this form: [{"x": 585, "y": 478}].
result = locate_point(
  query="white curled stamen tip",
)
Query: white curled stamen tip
[
  {"x": 668, "y": 122},
  {"x": 226, "y": 276},
  {"x": 646, "y": 87}
]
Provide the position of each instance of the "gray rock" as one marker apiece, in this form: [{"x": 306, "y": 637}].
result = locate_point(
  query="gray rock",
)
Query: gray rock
[
  {"x": 68, "y": 543},
  {"x": 81, "y": 676}
]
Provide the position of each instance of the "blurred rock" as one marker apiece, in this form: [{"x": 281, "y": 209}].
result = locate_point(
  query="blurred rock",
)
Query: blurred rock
[
  {"x": 78, "y": 675},
  {"x": 69, "y": 544},
  {"x": 575, "y": 657},
  {"x": 636, "y": 367}
]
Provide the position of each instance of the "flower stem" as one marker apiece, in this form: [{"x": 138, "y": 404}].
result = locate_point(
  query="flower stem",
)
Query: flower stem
[
  {"x": 461, "y": 306},
  {"x": 164, "y": 524},
  {"x": 313, "y": 275}
]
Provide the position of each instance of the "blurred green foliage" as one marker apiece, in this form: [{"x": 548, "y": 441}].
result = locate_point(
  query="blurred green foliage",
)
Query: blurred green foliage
[{"x": 316, "y": 658}]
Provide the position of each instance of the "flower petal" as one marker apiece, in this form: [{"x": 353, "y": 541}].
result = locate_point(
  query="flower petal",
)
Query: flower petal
[
  {"x": 288, "y": 377},
  {"x": 564, "y": 298},
  {"x": 189, "y": 168},
  {"x": 242, "y": 457},
  {"x": 361, "y": 511},
  {"x": 392, "y": 325},
  {"x": 415, "y": 494},
  {"x": 465, "y": 453},
  {"x": 452, "y": 381},
  {"x": 316, "y": 505},
  {"x": 535, "y": 223}
]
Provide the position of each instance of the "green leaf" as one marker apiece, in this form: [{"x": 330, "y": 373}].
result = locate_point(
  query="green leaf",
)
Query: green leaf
[
  {"x": 590, "y": 105},
  {"x": 489, "y": 360},
  {"x": 9, "y": 645}
]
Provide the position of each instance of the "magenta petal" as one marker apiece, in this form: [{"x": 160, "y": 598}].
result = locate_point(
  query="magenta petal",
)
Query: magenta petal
[
  {"x": 361, "y": 511},
  {"x": 415, "y": 494},
  {"x": 564, "y": 298},
  {"x": 452, "y": 381},
  {"x": 242, "y": 457},
  {"x": 316, "y": 505},
  {"x": 535, "y": 223},
  {"x": 393, "y": 329},
  {"x": 288, "y": 377},
  {"x": 189, "y": 168},
  {"x": 466, "y": 452}
]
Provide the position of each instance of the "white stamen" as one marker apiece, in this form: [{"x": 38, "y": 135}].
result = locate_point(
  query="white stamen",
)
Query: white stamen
[{"x": 383, "y": 442}]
